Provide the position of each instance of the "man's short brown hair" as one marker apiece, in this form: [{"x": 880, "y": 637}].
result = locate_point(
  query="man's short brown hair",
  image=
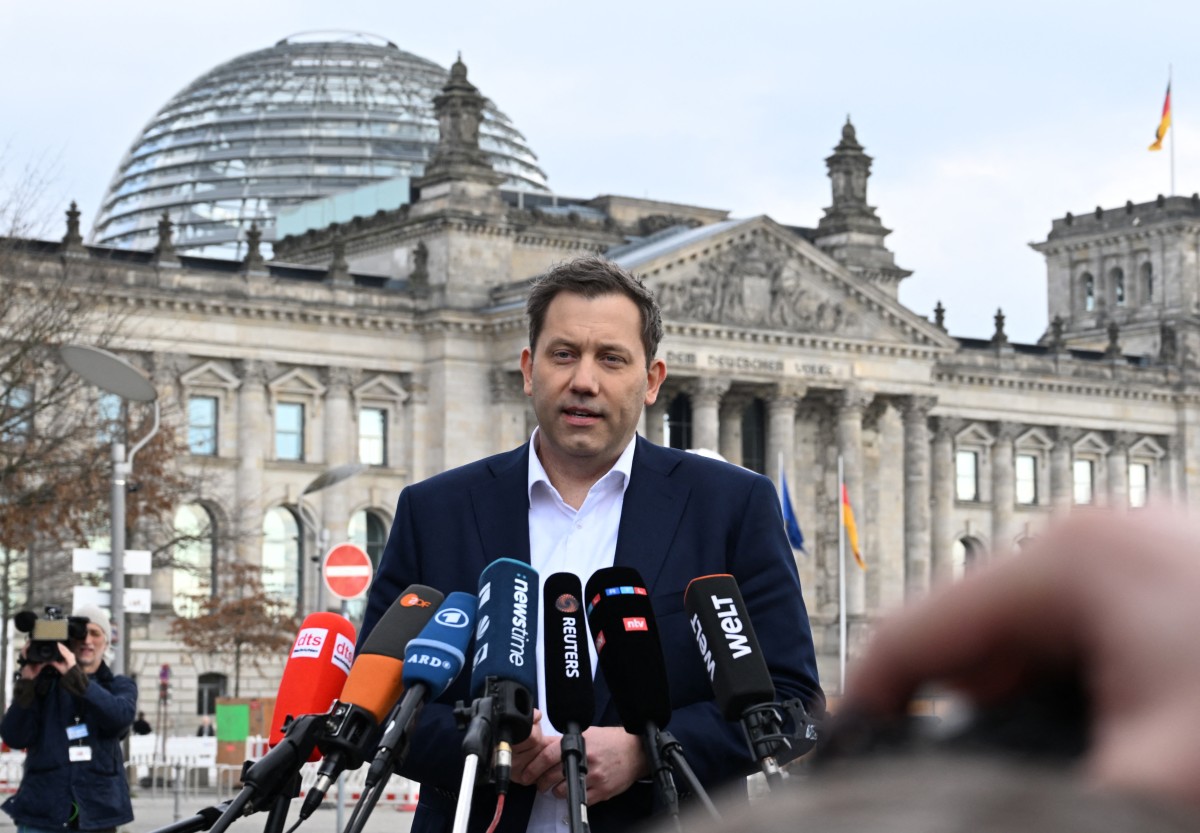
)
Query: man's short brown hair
[{"x": 593, "y": 277}]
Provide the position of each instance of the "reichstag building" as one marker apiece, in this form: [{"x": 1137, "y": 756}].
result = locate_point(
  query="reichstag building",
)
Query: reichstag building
[{"x": 325, "y": 246}]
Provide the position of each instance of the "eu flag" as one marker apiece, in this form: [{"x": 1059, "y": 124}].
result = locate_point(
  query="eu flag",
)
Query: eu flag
[{"x": 790, "y": 524}]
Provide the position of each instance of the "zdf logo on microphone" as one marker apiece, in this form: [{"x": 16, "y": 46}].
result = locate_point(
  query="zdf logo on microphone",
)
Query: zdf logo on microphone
[
  {"x": 413, "y": 600},
  {"x": 452, "y": 618}
]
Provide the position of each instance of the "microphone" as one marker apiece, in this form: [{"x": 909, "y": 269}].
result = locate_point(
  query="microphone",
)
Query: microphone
[
  {"x": 570, "y": 700},
  {"x": 625, "y": 633},
  {"x": 317, "y": 668},
  {"x": 432, "y": 661},
  {"x": 503, "y": 677},
  {"x": 374, "y": 685},
  {"x": 735, "y": 665},
  {"x": 315, "y": 672},
  {"x": 626, "y": 636}
]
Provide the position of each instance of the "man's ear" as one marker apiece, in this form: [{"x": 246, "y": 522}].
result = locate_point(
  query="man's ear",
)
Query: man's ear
[
  {"x": 527, "y": 370},
  {"x": 655, "y": 376}
]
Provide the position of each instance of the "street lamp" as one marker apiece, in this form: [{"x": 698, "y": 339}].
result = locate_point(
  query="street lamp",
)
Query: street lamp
[
  {"x": 114, "y": 375},
  {"x": 324, "y": 480}
]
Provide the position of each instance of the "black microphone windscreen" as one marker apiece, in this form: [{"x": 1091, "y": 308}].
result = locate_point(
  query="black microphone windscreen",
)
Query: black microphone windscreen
[
  {"x": 626, "y": 637},
  {"x": 569, "y": 695},
  {"x": 728, "y": 647},
  {"x": 376, "y": 680},
  {"x": 505, "y": 632}
]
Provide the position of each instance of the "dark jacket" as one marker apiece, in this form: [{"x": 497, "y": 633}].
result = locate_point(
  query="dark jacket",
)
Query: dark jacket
[
  {"x": 52, "y": 783},
  {"x": 683, "y": 516}
]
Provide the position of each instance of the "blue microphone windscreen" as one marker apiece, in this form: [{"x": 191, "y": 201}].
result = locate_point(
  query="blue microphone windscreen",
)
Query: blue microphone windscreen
[
  {"x": 507, "y": 627},
  {"x": 437, "y": 654}
]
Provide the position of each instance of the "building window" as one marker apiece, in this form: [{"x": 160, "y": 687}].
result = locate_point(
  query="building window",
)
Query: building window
[
  {"x": 1026, "y": 472},
  {"x": 194, "y": 560},
  {"x": 1084, "y": 481},
  {"x": 209, "y": 686},
  {"x": 15, "y": 423},
  {"x": 679, "y": 422},
  {"x": 202, "y": 425},
  {"x": 1147, "y": 282},
  {"x": 281, "y": 558},
  {"x": 966, "y": 469},
  {"x": 1118, "y": 282},
  {"x": 1139, "y": 484},
  {"x": 1089, "y": 292},
  {"x": 369, "y": 532},
  {"x": 372, "y": 436},
  {"x": 289, "y": 431},
  {"x": 754, "y": 436}
]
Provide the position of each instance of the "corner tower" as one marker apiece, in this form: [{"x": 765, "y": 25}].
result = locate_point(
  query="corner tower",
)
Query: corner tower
[{"x": 850, "y": 232}]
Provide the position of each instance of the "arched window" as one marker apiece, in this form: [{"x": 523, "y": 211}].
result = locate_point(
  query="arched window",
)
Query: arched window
[
  {"x": 1118, "y": 282},
  {"x": 968, "y": 554},
  {"x": 754, "y": 436},
  {"x": 1089, "y": 291},
  {"x": 679, "y": 422},
  {"x": 1147, "y": 282},
  {"x": 195, "y": 559},
  {"x": 281, "y": 557}
]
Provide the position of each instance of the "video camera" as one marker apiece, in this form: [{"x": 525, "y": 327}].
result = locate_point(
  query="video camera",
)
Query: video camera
[{"x": 46, "y": 632}]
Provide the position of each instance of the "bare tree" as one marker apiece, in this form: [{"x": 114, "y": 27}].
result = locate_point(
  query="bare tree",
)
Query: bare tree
[{"x": 243, "y": 621}]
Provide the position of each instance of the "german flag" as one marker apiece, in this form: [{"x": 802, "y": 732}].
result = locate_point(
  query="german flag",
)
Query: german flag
[
  {"x": 851, "y": 529},
  {"x": 1164, "y": 123}
]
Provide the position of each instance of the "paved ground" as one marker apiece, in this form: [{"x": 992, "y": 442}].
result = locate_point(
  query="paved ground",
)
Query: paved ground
[{"x": 154, "y": 812}]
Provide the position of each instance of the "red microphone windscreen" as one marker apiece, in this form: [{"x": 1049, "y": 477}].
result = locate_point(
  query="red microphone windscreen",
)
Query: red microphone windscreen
[{"x": 315, "y": 672}]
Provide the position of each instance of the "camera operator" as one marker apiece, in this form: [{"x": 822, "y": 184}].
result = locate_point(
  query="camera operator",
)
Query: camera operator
[{"x": 70, "y": 715}]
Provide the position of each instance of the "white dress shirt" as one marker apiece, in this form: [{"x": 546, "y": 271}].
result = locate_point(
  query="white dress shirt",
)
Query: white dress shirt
[{"x": 565, "y": 540}]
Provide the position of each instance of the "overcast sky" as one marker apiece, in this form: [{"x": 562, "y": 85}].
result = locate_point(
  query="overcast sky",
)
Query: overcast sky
[{"x": 985, "y": 120}]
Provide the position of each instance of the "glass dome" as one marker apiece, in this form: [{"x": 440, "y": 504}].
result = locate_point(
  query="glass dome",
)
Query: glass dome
[{"x": 312, "y": 116}]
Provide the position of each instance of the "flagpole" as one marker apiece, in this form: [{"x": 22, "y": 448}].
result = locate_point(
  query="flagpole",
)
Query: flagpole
[
  {"x": 841, "y": 578},
  {"x": 1174, "y": 128}
]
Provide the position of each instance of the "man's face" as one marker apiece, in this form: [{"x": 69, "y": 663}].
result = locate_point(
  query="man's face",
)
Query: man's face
[
  {"x": 89, "y": 651},
  {"x": 588, "y": 379}
]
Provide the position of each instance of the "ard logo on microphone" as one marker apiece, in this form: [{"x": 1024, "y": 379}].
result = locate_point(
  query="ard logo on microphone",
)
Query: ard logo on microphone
[{"x": 452, "y": 618}]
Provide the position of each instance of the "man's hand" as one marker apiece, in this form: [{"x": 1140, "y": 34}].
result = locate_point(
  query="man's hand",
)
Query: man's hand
[
  {"x": 536, "y": 757},
  {"x": 615, "y": 759},
  {"x": 66, "y": 660}
]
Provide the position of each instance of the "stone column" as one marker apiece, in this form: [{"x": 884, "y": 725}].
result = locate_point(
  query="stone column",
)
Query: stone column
[
  {"x": 654, "y": 417},
  {"x": 508, "y": 403},
  {"x": 1061, "y": 482},
  {"x": 1173, "y": 471},
  {"x": 781, "y": 429},
  {"x": 706, "y": 402},
  {"x": 1003, "y": 486},
  {"x": 418, "y": 441},
  {"x": 851, "y": 405},
  {"x": 942, "y": 548},
  {"x": 341, "y": 446},
  {"x": 730, "y": 441},
  {"x": 1118, "y": 470},
  {"x": 254, "y": 431},
  {"x": 917, "y": 555}
]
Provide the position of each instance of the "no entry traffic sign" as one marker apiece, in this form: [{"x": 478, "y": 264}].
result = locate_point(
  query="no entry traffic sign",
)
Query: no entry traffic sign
[{"x": 347, "y": 571}]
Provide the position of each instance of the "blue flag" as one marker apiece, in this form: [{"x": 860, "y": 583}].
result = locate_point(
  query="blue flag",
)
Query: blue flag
[{"x": 790, "y": 524}]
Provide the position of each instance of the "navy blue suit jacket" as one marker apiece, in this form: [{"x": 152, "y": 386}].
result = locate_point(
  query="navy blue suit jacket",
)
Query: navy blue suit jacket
[{"x": 683, "y": 516}]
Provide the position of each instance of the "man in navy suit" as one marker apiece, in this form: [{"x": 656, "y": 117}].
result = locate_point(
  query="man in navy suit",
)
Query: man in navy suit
[{"x": 590, "y": 495}]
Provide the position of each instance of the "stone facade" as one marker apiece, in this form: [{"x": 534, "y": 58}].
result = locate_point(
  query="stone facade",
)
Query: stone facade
[{"x": 787, "y": 350}]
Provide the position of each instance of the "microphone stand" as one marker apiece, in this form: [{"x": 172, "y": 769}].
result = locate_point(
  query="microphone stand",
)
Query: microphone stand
[
  {"x": 505, "y": 706},
  {"x": 393, "y": 749},
  {"x": 475, "y": 745},
  {"x": 274, "y": 779},
  {"x": 673, "y": 751},
  {"x": 661, "y": 771},
  {"x": 574, "y": 756},
  {"x": 763, "y": 729},
  {"x": 203, "y": 820}
]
